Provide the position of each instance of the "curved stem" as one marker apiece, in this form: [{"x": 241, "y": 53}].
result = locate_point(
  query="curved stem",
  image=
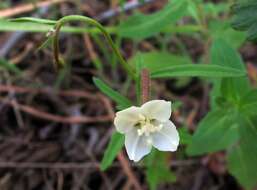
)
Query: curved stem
[{"x": 93, "y": 22}]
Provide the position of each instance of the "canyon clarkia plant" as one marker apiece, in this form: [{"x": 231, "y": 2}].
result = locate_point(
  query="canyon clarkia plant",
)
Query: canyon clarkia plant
[{"x": 147, "y": 126}]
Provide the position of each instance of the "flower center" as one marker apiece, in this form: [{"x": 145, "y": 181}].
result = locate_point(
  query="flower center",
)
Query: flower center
[{"x": 146, "y": 126}]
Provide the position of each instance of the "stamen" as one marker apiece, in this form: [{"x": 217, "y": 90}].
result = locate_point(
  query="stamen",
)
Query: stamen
[
  {"x": 149, "y": 141},
  {"x": 141, "y": 117},
  {"x": 147, "y": 126},
  {"x": 159, "y": 127},
  {"x": 140, "y": 132}
]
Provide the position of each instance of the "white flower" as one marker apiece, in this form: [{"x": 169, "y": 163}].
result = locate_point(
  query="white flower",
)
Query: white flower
[{"x": 147, "y": 126}]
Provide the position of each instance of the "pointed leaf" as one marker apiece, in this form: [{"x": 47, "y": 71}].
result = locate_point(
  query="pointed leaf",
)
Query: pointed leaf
[
  {"x": 223, "y": 54},
  {"x": 248, "y": 104},
  {"x": 198, "y": 70},
  {"x": 142, "y": 26},
  {"x": 122, "y": 101},
  {"x": 242, "y": 161},
  {"x": 33, "y": 20},
  {"x": 217, "y": 131},
  {"x": 156, "y": 60},
  {"x": 114, "y": 147}
]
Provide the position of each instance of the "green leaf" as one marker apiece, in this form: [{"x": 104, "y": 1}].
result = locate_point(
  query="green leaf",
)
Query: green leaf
[
  {"x": 198, "y": 70},
  {"x": 115, "y": 145},
  {"x": 248, "y": 103},
  {"x": 33, "y": 20},
  {"x": 6, "y": 26},
  {"x": 217, "y": 131},
  {"x": 9, "y": 66},
  {"x": 242, "y": 160},
  {"x": 214, "y": 9},
  {"x": 155, "y": 60},
  {"x": 184, "y": 136},
  {"x": 220, "y": 28},
  {"x": 158, "y": 170},
  {"x": 245, "y": 18},
  {"x": 142, "y": 26},
  {"x": 224, "y": 55},
  {"x": 122, "y": 101}
]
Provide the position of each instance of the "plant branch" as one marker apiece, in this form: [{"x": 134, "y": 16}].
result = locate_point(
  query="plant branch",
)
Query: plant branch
[{"x": 93, "y": 22}]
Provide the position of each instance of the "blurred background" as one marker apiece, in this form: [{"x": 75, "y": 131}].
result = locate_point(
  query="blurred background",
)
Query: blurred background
[{"x": 55, "y": 126}]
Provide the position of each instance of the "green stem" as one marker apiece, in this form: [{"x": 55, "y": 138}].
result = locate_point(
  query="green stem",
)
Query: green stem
[{"x": 93, "y": 22}]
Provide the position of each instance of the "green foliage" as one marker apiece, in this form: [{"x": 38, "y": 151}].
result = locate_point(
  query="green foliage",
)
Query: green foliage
[
  {"x": 29, "y": 26},
  {"x": 248, "y": 103},
  {"x": 228, "y": 126},
  {"x": 217, "y": 131},
  {"x": 224, "y": 55},
  {"x": 245, "y": 18},
  {"x": 33, "y": 20},
  {"x": 243, "y": 158},
  {"x": 114, "y": 147},
  {"x": 122, "y": 101},
  {"x": 141, "y": 26},
  {"x": 117, "y": 139},
  {"x": 222, "y": 28},
  {"x": 214, "y": 10},
  {"x": 184, "y": 136},
  {"x": 157, "y": 169},
  {"x": 159, "y": 60},
  {"x": 198, "y": 70}
]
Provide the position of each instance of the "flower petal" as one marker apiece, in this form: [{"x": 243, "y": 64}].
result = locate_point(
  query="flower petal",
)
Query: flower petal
[
  {"x": 136, "y": 146},
  {"x": 157, "y": 109},
  {"x": 167, "y": 139},
  {"x": 126, "y": 119}
]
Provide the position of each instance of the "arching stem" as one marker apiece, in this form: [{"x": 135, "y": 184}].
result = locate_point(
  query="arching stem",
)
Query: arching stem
[{"x": 93, "y": 22}]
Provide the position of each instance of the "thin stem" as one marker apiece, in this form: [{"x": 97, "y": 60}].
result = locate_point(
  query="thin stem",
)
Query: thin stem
[
  {"x": 93, "y": 22},
  {"x": 145, "y": 85}
]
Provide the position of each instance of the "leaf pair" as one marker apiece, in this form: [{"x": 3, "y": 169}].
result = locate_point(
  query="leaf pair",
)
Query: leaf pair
[{"x": 229, "y": 126}]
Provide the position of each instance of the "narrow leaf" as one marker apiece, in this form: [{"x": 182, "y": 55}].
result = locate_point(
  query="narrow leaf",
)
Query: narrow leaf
[
  {"x": 122, "y": 101},
  {"x": 156, "y": 60},
  {"x": 6, "y": 25},
  {"x": 33, "y": 20},
  {"x": 198, "y": 70},
  {"x": 115, "y": 145},
  {"x": 142, "y": 26}
]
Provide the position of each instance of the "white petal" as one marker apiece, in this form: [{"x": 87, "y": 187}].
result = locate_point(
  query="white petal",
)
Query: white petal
[
  {"x": 157, "y": 109},
  {"x": 167, "y": 139},
  {"x": 136, "y": 146},
  {"x": 126, "y": 119}
]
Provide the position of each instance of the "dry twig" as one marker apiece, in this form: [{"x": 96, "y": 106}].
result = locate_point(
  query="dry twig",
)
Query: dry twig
[
  {"x": 57, "y": 118},
  {"x": 27, "y": 7}
]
